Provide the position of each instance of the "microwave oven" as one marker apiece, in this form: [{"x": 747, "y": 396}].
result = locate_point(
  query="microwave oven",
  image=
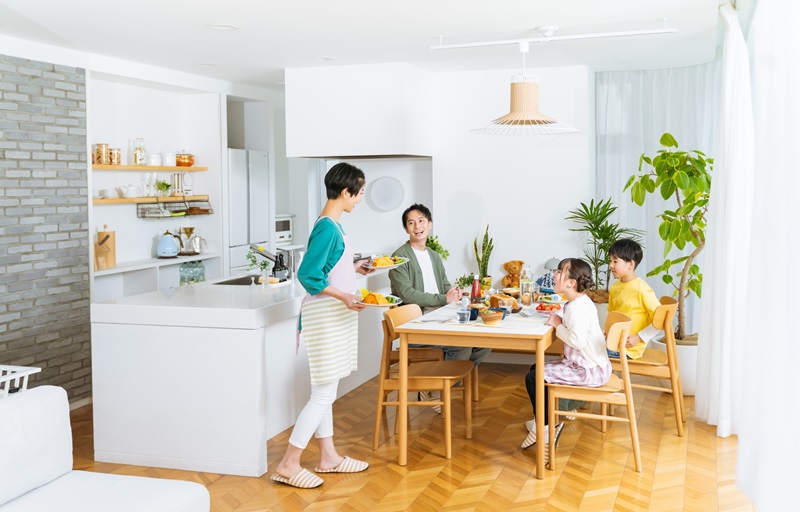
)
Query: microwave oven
[{"x": 284, "y": 228}]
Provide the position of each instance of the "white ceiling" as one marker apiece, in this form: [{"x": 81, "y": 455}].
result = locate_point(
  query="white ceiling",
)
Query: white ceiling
[{"x": 276, "y": 34}]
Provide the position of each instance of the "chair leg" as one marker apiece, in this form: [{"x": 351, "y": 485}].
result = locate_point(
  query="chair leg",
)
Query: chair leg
[
  {"x": 468, "y": 404},
  {"x": 552, "y": 403},
  {"x": 378, "y": 414},
  {"x": 474, "y": 373},
  {"x": 448, "y": 442},
  {"x": 603, "y": 422},
  {"x": 637, "y": 456},
  {"x": 676, "y": 402},
  {"x": 680, "y": 394}
]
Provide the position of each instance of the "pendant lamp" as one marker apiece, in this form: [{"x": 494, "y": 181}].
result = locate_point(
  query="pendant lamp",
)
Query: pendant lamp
[{"x": 524, "y": 117}]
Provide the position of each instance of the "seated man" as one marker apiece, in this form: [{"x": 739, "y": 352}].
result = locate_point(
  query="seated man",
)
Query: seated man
[{"x": 422, "y": 280}]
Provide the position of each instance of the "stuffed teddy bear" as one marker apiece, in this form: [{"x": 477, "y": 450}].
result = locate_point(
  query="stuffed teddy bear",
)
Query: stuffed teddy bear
[{"x": 513, "y": 268}]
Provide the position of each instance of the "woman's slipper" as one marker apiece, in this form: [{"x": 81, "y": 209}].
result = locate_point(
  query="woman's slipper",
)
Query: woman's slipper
[
  {"x": 304, "y": 479},
  {"x": 347, "y": 465}
]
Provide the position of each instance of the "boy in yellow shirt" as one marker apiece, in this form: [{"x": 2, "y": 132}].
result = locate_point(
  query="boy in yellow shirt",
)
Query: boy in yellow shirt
[{"x": 631, "y": 296}]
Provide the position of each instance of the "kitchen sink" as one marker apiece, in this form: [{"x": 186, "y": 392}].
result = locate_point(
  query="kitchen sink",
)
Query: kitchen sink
[{"x": 240, "y": 281}]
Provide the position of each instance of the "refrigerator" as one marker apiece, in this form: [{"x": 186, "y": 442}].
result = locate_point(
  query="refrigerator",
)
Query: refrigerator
[{"x": 248, "y": 205}]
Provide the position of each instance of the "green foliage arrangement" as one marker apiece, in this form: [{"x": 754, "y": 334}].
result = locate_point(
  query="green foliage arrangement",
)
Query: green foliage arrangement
[
  {"x": 433, "y": 244},
  {"x": 163, "y": 186},
  {"x": 685, "y": 176},
  {"x": 253, "y": 262},
  {"x": 592, "y": 219},
  {"x": 465, "y": 281},
  {"x": 482, "y": 257}
]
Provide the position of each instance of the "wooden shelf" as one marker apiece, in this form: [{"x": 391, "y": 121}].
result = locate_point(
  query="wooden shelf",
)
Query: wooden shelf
[
  {"x": 169, "y": 199},
  {"x": 146, "y": 168}
]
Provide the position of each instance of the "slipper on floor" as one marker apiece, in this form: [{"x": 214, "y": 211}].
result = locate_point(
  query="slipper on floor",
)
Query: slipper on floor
[
  {"x": 347, "y": 465},
  {"x": 304, "y": 479}
]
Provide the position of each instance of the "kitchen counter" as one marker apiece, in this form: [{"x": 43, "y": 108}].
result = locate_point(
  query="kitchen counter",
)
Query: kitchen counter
[
  {"x": 205, "y": 305},
  {"x": 200, "y": 377}
]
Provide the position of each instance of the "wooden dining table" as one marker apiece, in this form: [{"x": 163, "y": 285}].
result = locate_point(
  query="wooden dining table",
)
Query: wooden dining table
[{"x": 516, "y": 333}]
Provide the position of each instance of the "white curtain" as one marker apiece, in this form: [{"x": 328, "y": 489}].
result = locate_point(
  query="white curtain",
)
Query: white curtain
[
  {"x": 633, "y": 109},
  {"x": 725, "y": 280},
  {"x": 769, "y": 447}
]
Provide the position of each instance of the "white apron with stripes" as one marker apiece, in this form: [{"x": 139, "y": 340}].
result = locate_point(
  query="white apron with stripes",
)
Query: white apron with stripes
[{"x": 330, "y": 330}]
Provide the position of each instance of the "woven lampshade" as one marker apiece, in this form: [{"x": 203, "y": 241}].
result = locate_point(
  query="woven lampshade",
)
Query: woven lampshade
[{"x": 524, "y": 117}]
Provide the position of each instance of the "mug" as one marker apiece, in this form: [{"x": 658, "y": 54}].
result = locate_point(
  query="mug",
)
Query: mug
[{"x": 473, "y": 313}]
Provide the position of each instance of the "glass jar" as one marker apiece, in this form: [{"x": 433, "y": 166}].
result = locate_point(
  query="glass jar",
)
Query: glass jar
[
  {"x": 527, "y": 287},
  {"x": 139, "y": 152},
  {"x": 101, "y": 156},
  {"x": 115, "y": 156}
]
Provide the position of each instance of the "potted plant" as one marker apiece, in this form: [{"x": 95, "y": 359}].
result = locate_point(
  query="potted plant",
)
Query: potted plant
[
  {"x": 163, "y": 188},
  {"x": 482, "y": 257},
  {"x": 592, "y": 219},
  {"x": 686, "y": 177}
]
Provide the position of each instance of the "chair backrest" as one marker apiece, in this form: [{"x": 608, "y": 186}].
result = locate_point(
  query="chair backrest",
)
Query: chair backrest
[
  {"x": 665, "y": 313},
  {"x": 398, "y": 316},
  {"x": 618, "y": 326}
]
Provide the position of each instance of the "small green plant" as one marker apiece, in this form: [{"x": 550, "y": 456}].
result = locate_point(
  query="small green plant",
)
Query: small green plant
[
  {"x": 685, "y": 176},
  {"x": 433, "y": 244},
  {"x": 592, "y": 219},
  {"x": 465, "y": 281},
  {"x": 162, "y": 186},
  {"x": 253, "y": 262},
  {"x": 482, "y": 257}
]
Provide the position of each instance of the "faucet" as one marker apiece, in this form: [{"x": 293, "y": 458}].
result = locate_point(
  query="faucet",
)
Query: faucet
[{"x": 263, "y": 252}]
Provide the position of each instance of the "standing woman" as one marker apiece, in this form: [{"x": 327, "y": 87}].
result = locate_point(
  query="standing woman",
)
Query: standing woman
[{"x": 329, "y": 322}]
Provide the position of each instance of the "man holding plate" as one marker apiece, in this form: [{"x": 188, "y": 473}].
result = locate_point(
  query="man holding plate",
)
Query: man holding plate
[{"x": 423, "y": 281}]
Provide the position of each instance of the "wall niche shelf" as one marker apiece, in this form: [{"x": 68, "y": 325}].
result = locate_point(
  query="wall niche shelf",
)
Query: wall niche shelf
[
  {"x": 146, "y": 168},
  {"x": 151, "y": 200}
]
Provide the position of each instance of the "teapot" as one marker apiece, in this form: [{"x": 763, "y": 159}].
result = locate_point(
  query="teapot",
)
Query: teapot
[
  {"x": 129, "y": 191},
  {"x": 168, "y": 246}
]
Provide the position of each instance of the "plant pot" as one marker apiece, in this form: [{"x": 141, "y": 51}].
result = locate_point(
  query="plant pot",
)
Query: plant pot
[
  {"x": 486, "y": 283},
  {"x": 687, "y": 361}
]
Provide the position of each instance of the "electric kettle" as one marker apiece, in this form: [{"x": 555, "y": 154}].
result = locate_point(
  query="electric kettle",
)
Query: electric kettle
[{"x": 168, "y": 245}]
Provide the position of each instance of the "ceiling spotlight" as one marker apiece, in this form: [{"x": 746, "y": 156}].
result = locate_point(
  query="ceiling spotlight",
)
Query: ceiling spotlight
[
  {"x": 211, "y": 64},
  {"x": 547, "y": 30},
  {"x": 222, "y": 26},
  {"x": 324, "y": 59}
]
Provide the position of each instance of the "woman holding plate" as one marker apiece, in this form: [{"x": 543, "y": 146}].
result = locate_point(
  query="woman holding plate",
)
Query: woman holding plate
[{"x": 329, "y": 324}]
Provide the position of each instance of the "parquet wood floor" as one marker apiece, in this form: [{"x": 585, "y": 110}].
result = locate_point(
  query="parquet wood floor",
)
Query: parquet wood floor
[{"x": 594, "y": 472}]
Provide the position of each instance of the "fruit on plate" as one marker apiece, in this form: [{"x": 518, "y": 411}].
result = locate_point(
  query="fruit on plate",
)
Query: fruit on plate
[
  {"x": 548, "y": 307},
  {"x": 369, "y": 297},
  {"x": 385, "y": 261}
]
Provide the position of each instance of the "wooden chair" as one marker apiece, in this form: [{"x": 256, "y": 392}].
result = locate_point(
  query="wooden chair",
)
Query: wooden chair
[
  {"x": 660, "y": 365},
  {"x": 617, "y": 391},
  {"x": 436, "y": 375}
]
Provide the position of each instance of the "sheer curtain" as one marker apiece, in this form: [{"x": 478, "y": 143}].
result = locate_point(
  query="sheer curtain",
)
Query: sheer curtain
[
  {"x": 725, "y": 280},
  {"x": 633, "y": 109},
  {"x": 769, "y": 448}
]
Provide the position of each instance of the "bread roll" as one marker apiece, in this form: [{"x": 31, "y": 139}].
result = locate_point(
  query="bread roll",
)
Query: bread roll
[{"x": 494, "y": 300}]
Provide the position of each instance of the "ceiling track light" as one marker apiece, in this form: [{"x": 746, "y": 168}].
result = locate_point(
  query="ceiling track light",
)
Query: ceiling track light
[{"x": 548, "y": 35}]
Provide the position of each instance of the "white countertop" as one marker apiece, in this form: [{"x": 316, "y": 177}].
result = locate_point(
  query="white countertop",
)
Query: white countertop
[{"x": 205, "y": 305}]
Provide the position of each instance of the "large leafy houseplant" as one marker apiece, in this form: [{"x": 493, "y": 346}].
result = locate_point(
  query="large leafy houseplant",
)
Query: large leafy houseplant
[
  {"x": 593, "y": 219},
  {"x": 686, "y": 177}
]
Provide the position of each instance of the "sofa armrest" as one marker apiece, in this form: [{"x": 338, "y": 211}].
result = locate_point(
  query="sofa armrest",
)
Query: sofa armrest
[{"x": 35, "y": 440}]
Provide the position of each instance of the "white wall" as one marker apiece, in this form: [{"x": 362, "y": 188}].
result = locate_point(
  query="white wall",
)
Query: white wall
[{"x": 522, "y": 186}]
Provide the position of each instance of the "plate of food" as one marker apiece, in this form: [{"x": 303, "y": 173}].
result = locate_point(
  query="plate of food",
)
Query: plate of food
[
  {"x": 552, "y": 298},
  {"x": 377, "y": 300},
  {"x": 547, "y": 308},
  {"x": 380, "y": 262}
]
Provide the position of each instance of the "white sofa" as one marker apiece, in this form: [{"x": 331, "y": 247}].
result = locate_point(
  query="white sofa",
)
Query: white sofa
[{"x": 36, "y": 466}]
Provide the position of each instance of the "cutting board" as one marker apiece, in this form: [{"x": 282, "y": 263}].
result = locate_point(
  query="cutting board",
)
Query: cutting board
[{"x": 105, "y": 252}]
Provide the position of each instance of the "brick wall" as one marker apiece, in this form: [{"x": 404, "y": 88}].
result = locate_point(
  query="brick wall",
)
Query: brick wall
[{"x": 44, "y": 251}]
